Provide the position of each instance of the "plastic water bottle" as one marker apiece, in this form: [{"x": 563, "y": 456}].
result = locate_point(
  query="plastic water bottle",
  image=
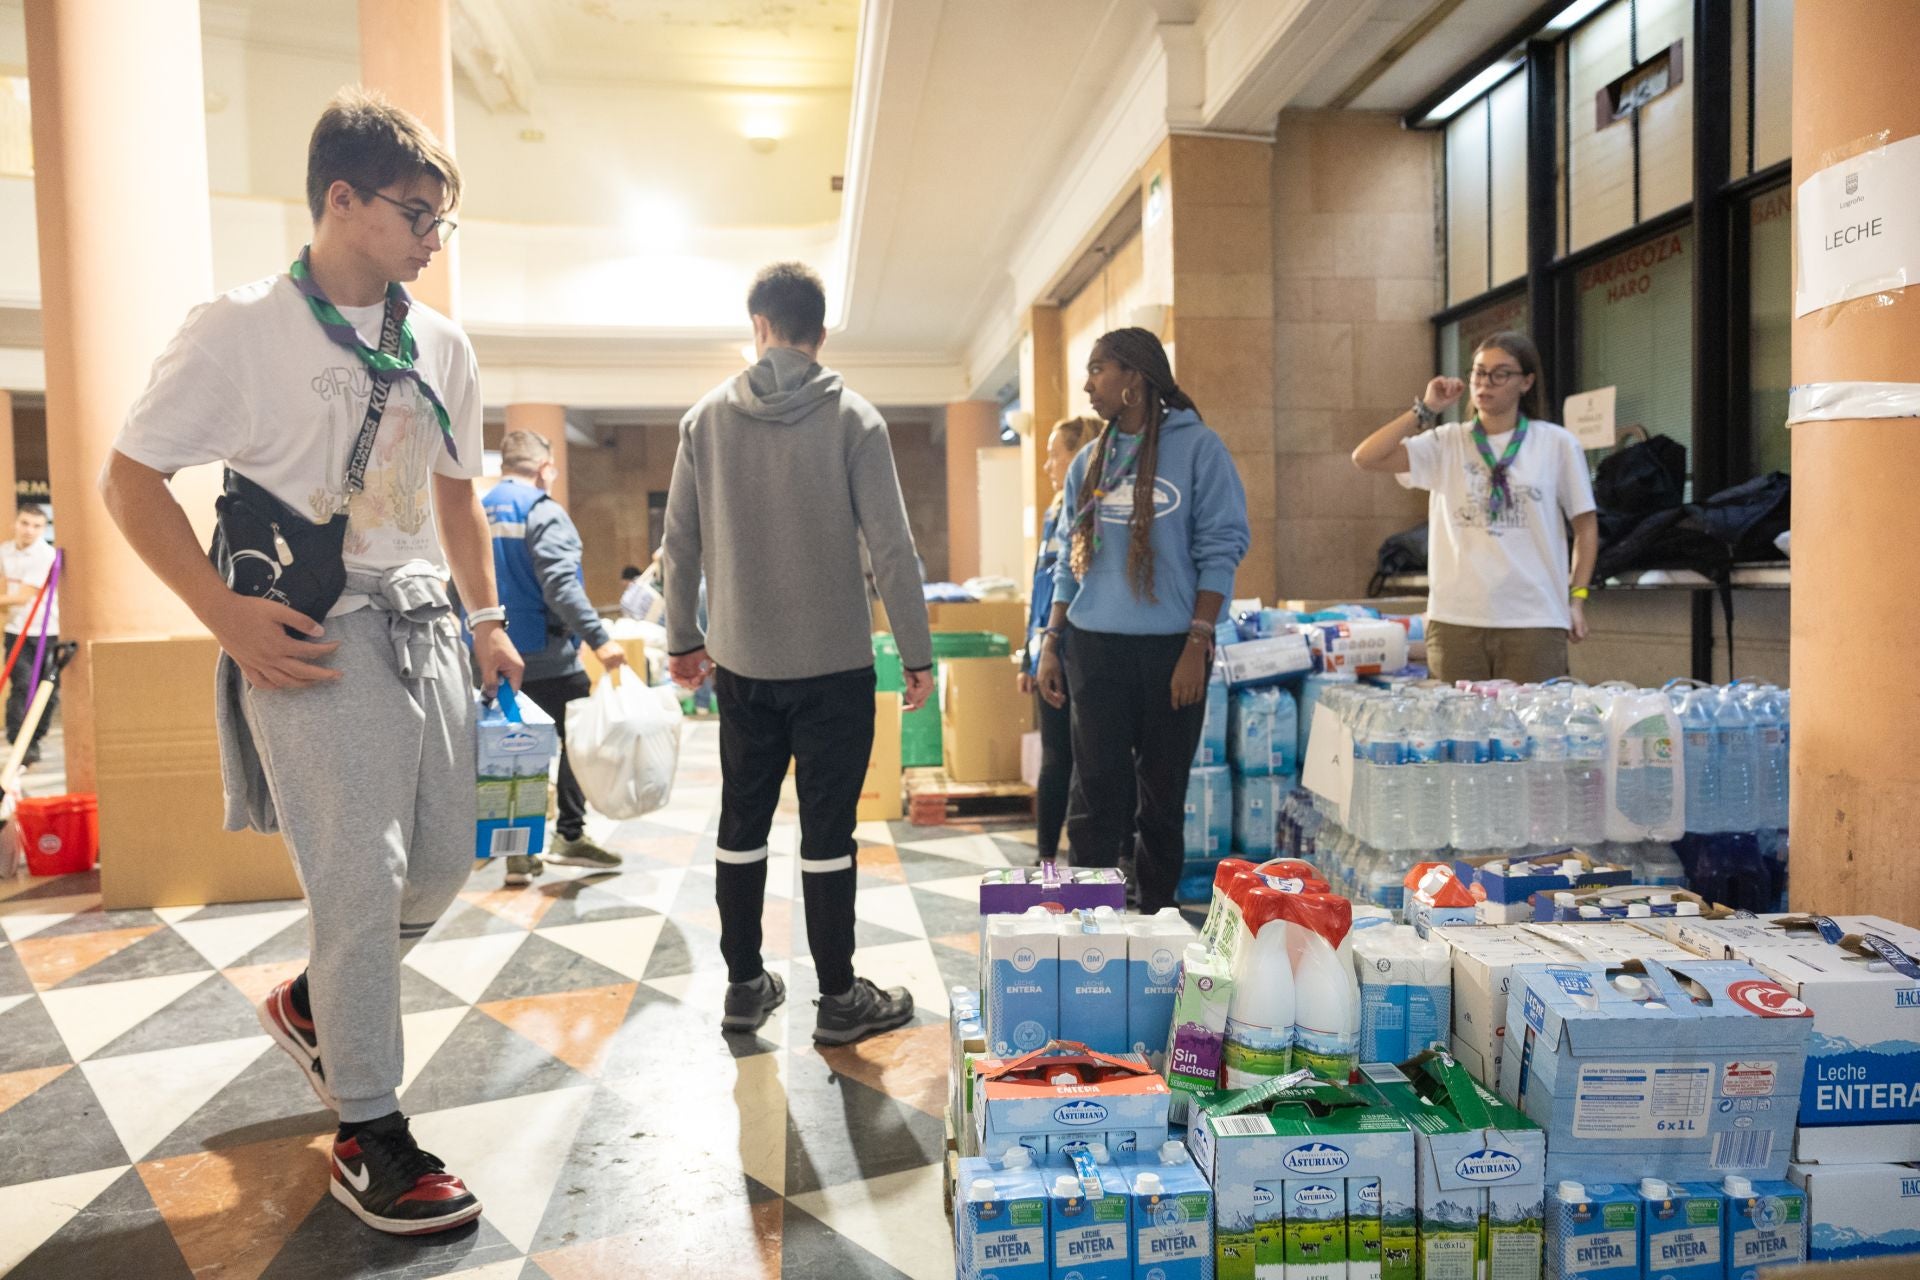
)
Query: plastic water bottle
[
  {"x": 1770, "y": 773},
  {"x": 1429, "y": 817},
  {"x": 1506, "y": 779},
  {"x": 1359, "y": 810},
  {"x": 1586, "y": 786},
  {"x": 1657, "y": 864},
  {"x": 1387, "y": 881},
  {"x": 1387, "y": 790},
  {"x": 1738, "y": 747},
  {"x": 1467, "y": 752},
  {"x": 1547, "y": 774},
  {"x": 1692, "y": 703}
]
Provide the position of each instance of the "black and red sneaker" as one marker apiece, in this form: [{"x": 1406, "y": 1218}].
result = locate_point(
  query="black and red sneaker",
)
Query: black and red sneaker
[
  {"x": 389, "y": 1183},
  {"x": 295, "y": 1034}
]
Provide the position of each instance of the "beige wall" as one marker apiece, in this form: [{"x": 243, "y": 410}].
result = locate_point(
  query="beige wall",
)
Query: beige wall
[
  {"x": 1355, "y": 281},
  {"x": 1105, "y": 304}
]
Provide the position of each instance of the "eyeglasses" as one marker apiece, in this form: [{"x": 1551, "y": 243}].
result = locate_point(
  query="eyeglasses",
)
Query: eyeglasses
[
  {"x": 1496, "y": 377},
  {"x": 425, "y": 222}
]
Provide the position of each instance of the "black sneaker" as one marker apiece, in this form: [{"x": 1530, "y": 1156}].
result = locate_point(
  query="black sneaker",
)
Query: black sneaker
[
  {"x": 749, "y": 1004},
  {"x": 389, "y": 1183},
  {"x": 863, "y": 1011},
  {"x": 296, "y": 1036}
]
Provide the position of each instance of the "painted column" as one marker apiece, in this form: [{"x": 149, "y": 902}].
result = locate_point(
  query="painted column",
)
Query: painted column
[
  {"x": 549, "y": 421},
  {"x": 972, "y": 425},
  {"x": 406, "y": 52},
  {"x": 1044, "y": 392}
]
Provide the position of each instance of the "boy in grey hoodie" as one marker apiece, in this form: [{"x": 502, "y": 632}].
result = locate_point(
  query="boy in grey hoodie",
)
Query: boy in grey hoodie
[{"x": 782, "y": 476}]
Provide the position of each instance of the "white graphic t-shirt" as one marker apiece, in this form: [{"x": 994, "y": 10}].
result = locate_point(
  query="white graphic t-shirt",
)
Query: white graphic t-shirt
[
  {"x": 253, "y": 380},
  {"x": 30, "y": 568},
  {"x": 1512, "y": 572}
]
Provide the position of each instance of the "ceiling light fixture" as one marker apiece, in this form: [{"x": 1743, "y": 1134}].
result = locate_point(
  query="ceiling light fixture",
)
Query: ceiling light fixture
[{"x": 763, "y": 131}]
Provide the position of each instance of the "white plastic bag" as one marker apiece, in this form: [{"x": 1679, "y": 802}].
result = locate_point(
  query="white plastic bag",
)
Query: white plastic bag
[{"x": 624, "y": 745}]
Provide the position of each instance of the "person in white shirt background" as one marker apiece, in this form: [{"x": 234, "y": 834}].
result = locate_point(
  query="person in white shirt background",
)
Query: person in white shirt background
[
  {"x": 26, "y": 561},
  {"x": 1504, "y": 598}
]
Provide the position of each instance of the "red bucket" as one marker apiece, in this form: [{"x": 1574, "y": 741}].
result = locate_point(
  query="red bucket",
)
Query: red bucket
[{"x": 59, "y": 834}]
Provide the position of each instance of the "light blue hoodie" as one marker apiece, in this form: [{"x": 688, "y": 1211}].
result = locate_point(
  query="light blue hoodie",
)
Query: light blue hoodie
[{"x": 1199, "y": 536}]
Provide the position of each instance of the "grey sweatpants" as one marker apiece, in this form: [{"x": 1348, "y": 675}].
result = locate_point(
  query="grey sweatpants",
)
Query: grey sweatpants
[{"x": 372, "y": 777}]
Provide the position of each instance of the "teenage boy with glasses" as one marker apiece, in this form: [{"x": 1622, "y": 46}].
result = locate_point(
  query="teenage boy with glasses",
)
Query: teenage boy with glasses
[{"x": 335, "y": 392}]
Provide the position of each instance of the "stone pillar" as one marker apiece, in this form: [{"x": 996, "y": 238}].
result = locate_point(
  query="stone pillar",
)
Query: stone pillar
[
  {"x": 120, "y": 192},
  {"x": 406, "y": 52},
  {"x": 549, "y": 421},
  {"x": 1044, "y": 392},
  {"x": 1856, "y": 777},
  {"x": 9, "y": 475},
  {"x": 972, "y": 425}
]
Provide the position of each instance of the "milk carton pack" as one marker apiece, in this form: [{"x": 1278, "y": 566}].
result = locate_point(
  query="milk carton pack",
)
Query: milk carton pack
[
  {"x": 1263, "y": 734},
  {"x": 1481, "y": 1171},
  {"x": 1860, "y": 1101},
  {"x": 1154, "y": 947},
  {"x": 1861, "y": 1210},
  {"x": 1268, "y": 661},
  {"x": 1058, "y": 1097},
  {"x": 1093, "y": 981},
  {"x": 1292, "y": 1131},
  {"x": 515, "y": 743},
  {"x": 1406, "y": 992},
  {"x": 1766, "y": 1226},
  {"x": 1000, "y": 1219},
  {"x": 1023, "y": 982},
  {"x": 1682, "y": 1236},
  {"x": 1593, "y": 1232},
  {"x": 1213, "y": 732},
  {"x": 1172, "y": 1216},
  {"x": 1256, "y": 813},
  {"x": 1363, "y": 1229},
  {"x": 1089, "y": 1232},
  {"x": 1269, "y": 1231},
  {"x": 1209, "y": 812},
  {"x": 1694, "y": 1070},
  {"x": 1436, "y": 897},
  {"x": 1316, "y": 1228}
]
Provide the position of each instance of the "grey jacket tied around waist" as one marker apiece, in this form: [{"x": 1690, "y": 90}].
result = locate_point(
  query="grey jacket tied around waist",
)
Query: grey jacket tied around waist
[{"x": 411, "y": 601}]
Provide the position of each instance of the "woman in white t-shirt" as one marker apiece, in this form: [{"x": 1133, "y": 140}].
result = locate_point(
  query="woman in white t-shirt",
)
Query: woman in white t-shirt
[{"x": 1503, "y": 598}]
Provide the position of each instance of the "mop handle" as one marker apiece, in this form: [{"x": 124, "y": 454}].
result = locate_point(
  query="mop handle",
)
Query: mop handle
[
  {"x": 26, "y": 629},
  {"x": 46, "y": 616}
]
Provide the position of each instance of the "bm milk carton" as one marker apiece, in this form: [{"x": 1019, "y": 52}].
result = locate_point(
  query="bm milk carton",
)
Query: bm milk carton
[
  {"x": 1593, "y": 1233},
  {"x": 1172, "y": 1216},
  {"x": 515, "y": 742},
  {"x": 1681, "y": 1231},
  {"x": 1093, "y": 980},
  {"x": 1154, "y": 946},
  {"x": 1002, "y": 1222},
  {"x": 1023, "y": 982}
]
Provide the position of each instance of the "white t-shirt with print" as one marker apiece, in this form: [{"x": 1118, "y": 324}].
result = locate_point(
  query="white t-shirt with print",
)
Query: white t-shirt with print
[
  {"x": 253, "y": 380},
  {"x": 1509, "y": 573},
  {"x": 30, "y": 568}
]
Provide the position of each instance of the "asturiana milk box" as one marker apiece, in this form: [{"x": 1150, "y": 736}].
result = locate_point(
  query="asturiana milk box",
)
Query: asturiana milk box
[
  {"x": 1088, "y": 1227},
  {"x": 1766, "y": 1225},
  {"x": 1593, "y": 1232},
  {"x": 1172, "y": 1216},
  {"x": 1093, "y": 980},
  {"x": 1861, "y": 1210},
  {"x": 1681, "y": 1232},
  {"x": 1023, "y": 982},
  {"x": 1002, "y": 1219}
]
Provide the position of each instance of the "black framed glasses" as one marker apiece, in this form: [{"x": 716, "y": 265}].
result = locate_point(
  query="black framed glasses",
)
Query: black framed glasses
[
  {"x": 425, "y": 221},
  {"x": 1495, "y": 377}
]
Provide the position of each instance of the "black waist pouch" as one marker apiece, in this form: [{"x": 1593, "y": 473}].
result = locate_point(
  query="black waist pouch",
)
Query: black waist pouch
[{"x": 263, "y": 547}]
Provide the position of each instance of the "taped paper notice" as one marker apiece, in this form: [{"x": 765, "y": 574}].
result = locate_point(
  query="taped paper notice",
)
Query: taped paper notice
[
  {"x": 1328, "y": 768},
  {"x": 1858, "y": 230},
  {"x": 1590, "y": 418}
]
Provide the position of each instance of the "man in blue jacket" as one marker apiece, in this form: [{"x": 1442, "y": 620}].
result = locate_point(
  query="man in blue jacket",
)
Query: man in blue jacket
[{"x": 536, "y": 560}]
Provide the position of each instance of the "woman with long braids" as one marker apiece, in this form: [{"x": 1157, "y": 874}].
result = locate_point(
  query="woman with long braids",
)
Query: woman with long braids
[{"x": 1157, "y": 526}]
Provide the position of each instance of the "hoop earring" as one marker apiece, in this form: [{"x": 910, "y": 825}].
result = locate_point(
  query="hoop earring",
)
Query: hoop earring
[{"x": 1126, "y": 398}]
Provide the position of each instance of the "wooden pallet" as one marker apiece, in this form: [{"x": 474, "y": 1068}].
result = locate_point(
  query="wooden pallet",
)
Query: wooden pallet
[{"x": 933, "y": 799}]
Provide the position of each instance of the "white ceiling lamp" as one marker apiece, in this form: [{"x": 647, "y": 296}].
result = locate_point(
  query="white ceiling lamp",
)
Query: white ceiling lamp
[{"x": 763, "y": 131}]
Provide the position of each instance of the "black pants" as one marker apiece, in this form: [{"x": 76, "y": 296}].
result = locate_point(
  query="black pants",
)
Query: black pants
[
  {"x": 1131, "y": 753},
  {"x": 825, "y": 726},
  {"x": 552, "y": 695},
  {"x": 1056, "y": 771},
  {"x": 17, "y": 686}
]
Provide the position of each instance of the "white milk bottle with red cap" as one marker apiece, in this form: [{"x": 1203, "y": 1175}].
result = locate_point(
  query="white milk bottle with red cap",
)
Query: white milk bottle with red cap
[
  {"x": 1260, "y": 1018},
  {"x": 1326, "y": 990}
]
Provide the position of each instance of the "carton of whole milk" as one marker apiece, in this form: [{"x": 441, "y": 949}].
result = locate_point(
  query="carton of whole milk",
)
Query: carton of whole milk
[
  {"x": 1154, "y": 946},
  {"x": 1481, "y": 1170},
  {"x": 1093, "y": 980},
  {"x": 1693, "y": 1070},
  {"x": 1001, "y": 1219},
  {"x": 1593, "y": 1232},
  {"x": 1681, "y": 1232},
  {"x": 1316, "y": 1228},
  {"x": 1766, "y": 1226},
  {"x": 1172, "y": 1216},
  {"x": 1023, "y": 982},
  {"x": 1089, "y": 1232},
  {"x": 1406, "y": 992},
  {"x": 515, "y": 742}
]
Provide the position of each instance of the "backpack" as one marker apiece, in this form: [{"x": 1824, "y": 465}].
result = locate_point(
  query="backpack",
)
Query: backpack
[
  {"x": 1748, "y": 517},
  {"x": 1642, "y": 478},
  {"x": 1403, "y": 552}
]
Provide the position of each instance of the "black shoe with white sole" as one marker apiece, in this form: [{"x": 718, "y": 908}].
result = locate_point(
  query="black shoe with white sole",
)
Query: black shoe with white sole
[
  {"x": 383, "y": 1177},
  {"x": 862, "y": 1011},
  {"x": 749, "y": 1004}
]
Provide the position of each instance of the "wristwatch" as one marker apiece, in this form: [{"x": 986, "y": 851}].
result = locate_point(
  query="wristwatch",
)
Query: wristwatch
[{"x": 1427, "y": 418}]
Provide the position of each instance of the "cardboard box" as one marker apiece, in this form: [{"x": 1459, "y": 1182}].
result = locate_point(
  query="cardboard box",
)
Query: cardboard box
[
  {"x": 881, "y": 794},
  {"x": 515, "y": 746},
  {"x": 1861, "y": 1096},
  {"x": 1017, "y": 1103},
  {"x": 1013, "y": 890},
  {"x": 1481, "y": 1170},
  {"x": 1254, "y": 662},
  {"x": 1002, "y": 617},
  {"x": 1686, "y": 1073},
  {"x": 982, "y": 717},
  {"x": 1526, "y": 877},
  {"x": 1292, "y": 1128},
  {"x": 1861, "y": 1211},
  {"x": 163, "y": 841}
]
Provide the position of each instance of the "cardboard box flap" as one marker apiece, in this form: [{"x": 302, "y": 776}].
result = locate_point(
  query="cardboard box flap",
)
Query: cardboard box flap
[
  {"x": 1442, "y": 1081},
  {"x": 1318, "y": 1098},
  {"x": 1062, "y": 1053}
]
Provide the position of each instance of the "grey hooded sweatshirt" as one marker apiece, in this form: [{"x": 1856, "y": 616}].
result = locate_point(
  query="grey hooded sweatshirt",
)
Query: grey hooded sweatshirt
[{"x": 782, "y": 473}]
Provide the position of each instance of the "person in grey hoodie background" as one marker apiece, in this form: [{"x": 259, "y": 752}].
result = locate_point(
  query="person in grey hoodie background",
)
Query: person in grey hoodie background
[{"x": 782, "y": 475}]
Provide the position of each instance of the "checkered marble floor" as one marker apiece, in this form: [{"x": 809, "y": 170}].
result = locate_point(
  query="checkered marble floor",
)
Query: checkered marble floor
[{"x": 563, "y": 1056}]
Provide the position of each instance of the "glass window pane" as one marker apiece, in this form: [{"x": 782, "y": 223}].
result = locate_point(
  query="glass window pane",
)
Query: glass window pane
[
  {"x": 1770, "y": 328},
  {"x": 1666, "y": 123},
  {"x": 1508, "y": 105},
  {"x": 1773, "y": 82},
  {"x": 1600, "y": 163},
  {"x": 1633, "y": 315},
  {"x": 1467, "y": 203},
  {"x": 1459, "y": 337}
]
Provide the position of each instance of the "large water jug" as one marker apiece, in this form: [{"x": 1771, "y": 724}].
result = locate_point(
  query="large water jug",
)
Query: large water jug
[
  {"x": 1466, "y": 755},
  {"x": 1646, "y": 773},
  {"x": 1429, "y": 815},
  {"x": 1694, "y": 703},
  {"x": 1506, "y": 779},
  {"x": 1737, "y": 745}
]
